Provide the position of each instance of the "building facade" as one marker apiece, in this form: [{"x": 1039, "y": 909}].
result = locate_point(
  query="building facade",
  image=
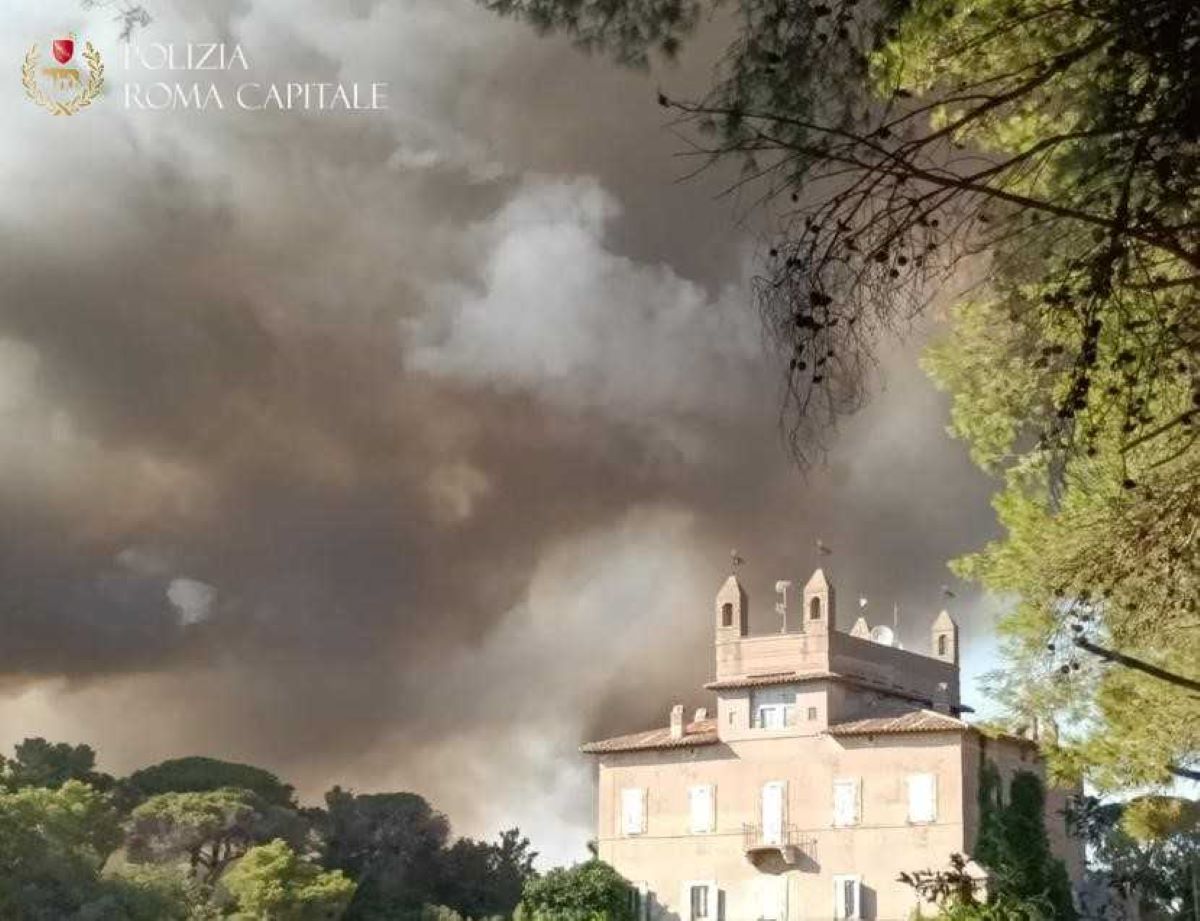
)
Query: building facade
[{"x": 834, "y": 761}]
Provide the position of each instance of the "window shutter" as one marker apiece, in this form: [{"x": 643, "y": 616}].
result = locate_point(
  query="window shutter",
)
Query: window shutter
[
  {"x": 633, "y": 810},
  {"x": 922, "y": 798},
  {"x": 774, "y": 811},
  {"x": 701, "y": 809},
  {"x": 845, "y": 802}
]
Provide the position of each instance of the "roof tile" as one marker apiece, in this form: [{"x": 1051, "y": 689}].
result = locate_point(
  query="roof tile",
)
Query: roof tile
[{"x": 701, "y": 732}]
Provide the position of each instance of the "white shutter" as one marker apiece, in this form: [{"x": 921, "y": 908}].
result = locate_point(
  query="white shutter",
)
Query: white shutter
[
  {"x": 701, "y": 809},
  {"x": 773, "y": 803},
  {"x": 633, "y": 811},
  {"x": 922, "y": 798},
  {"x": 845, "y": 802}
]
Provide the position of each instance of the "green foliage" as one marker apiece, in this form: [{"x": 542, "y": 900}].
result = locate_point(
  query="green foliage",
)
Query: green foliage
[
  {"x": 1003, "y": 908},
  {"x": 200, "y": 775},
  {"x": 1155, "y": 818},
  {"x": 438, "y": 913},
  {"x": 629, "y": 31},
  {"x": 1013, "y": 845},
  {"x": 200, "y": 854},
  {"x": 1148, "y": 847},
  {"x": 207, "y": 830},
  {"x": 53, "y": 844},
  {"x": 272, "y": 883},
  {"x": 390, "y": 844},
  {"x": 38, "y": 763},
  {"x": 148, "y": 894},
  {"x": 589, "y": 891},
  {"x": 482, "y": 879}
]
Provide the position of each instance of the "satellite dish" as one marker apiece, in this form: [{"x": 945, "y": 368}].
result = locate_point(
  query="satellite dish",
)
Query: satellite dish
[{"x": 883, "y": 635}]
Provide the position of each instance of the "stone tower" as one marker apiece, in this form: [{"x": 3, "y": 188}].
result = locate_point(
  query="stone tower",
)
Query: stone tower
[
  {"x": 819, "y": 605},
  {"x": 944, "y": 639},
  {"x": 733, "y": 611}
]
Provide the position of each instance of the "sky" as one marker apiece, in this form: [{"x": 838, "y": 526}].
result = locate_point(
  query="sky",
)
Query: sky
[{"x": 406, "y": 449}]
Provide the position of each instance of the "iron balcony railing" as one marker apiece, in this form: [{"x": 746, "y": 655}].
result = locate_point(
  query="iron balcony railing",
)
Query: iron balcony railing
[{"x": 755, "y": 838}]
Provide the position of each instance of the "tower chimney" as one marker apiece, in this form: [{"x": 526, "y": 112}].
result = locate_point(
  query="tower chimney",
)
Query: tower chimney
[{"x": 677, "y": 721}]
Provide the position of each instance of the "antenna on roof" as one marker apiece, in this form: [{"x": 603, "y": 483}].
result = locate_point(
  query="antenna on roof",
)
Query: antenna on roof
[{"x": 782, "y": 587}]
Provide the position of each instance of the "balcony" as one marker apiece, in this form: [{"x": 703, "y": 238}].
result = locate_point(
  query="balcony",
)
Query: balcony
[{"x": 785, "y": 844}]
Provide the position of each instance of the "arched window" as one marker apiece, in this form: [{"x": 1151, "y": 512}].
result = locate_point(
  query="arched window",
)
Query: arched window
[
  {"x": 942, "y": 645},
  {"x": 727, "y": 615},
  {"x": 814, "y": 609}
]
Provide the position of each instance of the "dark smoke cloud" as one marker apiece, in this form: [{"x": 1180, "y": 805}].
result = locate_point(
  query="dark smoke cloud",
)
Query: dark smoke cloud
[{"x": 404, "y": 451}]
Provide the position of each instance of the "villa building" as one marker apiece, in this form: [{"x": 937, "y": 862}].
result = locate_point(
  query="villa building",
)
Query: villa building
[{"x": 834, "y": 762}]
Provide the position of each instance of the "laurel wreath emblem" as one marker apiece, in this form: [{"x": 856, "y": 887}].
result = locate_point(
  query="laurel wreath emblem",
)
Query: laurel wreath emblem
[{"x": 82, "y": 99}]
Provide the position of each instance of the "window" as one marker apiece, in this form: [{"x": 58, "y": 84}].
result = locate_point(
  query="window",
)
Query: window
[
  {"x": 701, "y": 801},
  {"x": 845, "y": 803},
  {"x": 773, "y": 806},
  {"x": 700, "y": 900},
  {"x": 633, "y": 811},
  {"x": 812, "y": 713},
  {"x": 942, "y": 645},
  {"x": 814, "y": 609},
  {"x": 727, "y": 615},
  {"x": 772, "y": 708},
  {"x": 639, "y": 901},
  {"x": 847, "y": 901},
  {"x": 922, "y": 798}
]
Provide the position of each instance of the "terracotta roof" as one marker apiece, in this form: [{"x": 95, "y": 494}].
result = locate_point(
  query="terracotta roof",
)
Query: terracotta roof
[
  {"x": 759, "y": 681},
  {"x": 701, "y": 732},
  {"x": 913, "y": 721}
]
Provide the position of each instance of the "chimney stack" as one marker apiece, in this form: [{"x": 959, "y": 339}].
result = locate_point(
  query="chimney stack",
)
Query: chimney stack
[
  {"x": 677, "y": 721},
  {"x": 701, "y": 714}
]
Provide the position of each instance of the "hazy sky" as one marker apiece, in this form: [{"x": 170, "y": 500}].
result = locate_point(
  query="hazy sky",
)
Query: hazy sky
[{"x": 405, "y": 450}]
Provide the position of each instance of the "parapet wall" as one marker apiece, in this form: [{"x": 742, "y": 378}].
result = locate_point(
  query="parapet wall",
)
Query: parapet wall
[
  {"x": 895, "y": 668},
  {"x": 772, "y": 653}
]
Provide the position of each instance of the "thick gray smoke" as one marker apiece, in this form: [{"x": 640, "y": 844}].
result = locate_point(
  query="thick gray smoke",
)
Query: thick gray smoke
[{"x": 403, "y": 450}]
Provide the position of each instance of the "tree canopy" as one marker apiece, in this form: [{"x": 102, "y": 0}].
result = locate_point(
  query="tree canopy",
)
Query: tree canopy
[
  {"x": 38, "y": 763},
  {"x": 198, "y": 775},
  {"x": 1148, "y": 849},
  {"x": 53, "y": 845},
  {"x": 209, "y": 830},
  {"x": 585, "y": 892},
  {"x": 390, "y": 843},
  {"x": 168, "y": 843},
  {"x": 273, "y": 883}
]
